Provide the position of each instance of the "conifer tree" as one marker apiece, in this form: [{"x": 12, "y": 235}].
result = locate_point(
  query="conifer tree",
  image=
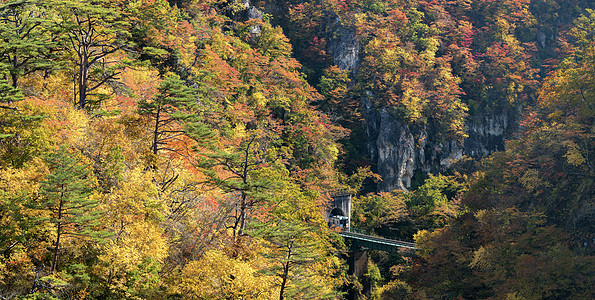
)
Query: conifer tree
[
  {"x": 93, "y": 30},
  {"x": 293, "y": 249},
  {"x": 174, "y": 103},
  {"x": 67, "y": 190},
  {"x": 8, "y": 96},
  {"x": 19, "y": 130},
  {"x": 8, "y": 93},
  {"x": 242, "y": 164},
  {"x": 26, "y": 44}
]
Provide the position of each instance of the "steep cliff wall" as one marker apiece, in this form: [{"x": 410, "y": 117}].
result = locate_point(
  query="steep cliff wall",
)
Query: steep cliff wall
[
  {"x": 398, "y": 151},
  {"x": 344, "y": 46}
]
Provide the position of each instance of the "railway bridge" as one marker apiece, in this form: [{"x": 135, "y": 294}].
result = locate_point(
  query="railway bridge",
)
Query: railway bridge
[{"x": 338, "y": 214}]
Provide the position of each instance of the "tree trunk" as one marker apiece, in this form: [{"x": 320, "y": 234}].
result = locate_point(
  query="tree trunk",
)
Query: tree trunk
[
  {"x": 14, "y": 75},
  {"x": 284, "y": 282},
  {"x": 15, "y": 80},
  {"x": 285, "y": 275},
  {"x": 58, "y": 234},
  {"x": 243, "y": 213},
  {"x": 156, "y": 131},
  {"x": 83, "y": 78},
  {"x": 82, "y": 88}
]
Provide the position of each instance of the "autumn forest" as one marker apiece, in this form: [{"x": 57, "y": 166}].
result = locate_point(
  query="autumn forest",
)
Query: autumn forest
[{"x": 170, "y": 149}]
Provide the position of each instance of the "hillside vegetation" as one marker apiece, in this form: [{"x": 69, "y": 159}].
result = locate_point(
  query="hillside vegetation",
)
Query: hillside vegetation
[{"x": 155, "y": 149}]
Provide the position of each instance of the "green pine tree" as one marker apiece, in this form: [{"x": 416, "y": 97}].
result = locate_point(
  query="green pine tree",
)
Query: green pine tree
[
  {"x": 244, "y": 164},
  {"x": 92, "y": 30},
  {"x": 26, "y": 44},
  {"x": 20, "y": 133},
  {"x": 293, "y": 250},
  {"x": 172, "y": 107},
  {"x": 8, "y": 93},
  {"x": 67, "y": 193}
]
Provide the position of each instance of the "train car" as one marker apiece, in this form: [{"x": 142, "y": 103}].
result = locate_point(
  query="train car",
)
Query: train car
[{"x": 338, "y": 221}]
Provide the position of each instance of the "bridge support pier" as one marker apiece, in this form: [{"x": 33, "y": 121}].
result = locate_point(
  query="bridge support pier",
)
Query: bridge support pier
[
  {"x": 358, "y": 262},
  {"x": 358, "y": 267}
]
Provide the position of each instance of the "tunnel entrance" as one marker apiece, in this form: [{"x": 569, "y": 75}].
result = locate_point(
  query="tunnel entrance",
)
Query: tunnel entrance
[
  {"x": 338, "y": 211},
  {"x": 338, "y": 219}
]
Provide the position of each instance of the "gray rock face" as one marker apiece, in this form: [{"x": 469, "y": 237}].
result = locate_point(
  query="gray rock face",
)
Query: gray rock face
[
  {"x": 398, "y": 151},
  {"x": 344, "y": 46},
  {"x": 486, "y": 134},
  {"x": 253, "y": 13}
]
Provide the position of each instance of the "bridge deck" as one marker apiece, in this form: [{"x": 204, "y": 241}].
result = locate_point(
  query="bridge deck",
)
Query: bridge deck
[{"x": 377, "y": 243}]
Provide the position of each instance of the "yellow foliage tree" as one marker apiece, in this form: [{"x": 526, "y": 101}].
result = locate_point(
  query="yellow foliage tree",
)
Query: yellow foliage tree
[{"x": 217, "y": 276}]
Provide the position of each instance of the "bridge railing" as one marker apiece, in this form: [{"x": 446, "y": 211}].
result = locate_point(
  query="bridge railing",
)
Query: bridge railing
[{"x": 362, "y": 235}]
